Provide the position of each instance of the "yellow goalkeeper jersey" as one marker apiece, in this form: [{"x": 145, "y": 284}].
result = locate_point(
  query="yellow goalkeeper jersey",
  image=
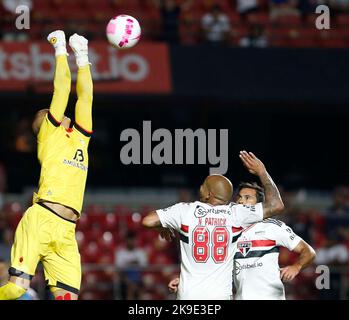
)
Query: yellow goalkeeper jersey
[{"x": 63, "y": 155}]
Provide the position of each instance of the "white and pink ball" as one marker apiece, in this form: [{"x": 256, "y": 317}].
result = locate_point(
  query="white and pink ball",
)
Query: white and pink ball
[{"x": 123, "y": 31}]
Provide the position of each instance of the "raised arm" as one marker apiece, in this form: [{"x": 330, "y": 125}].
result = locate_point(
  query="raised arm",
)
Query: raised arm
[
  {"x": 84, "y": 85},
  {"x": 61, "y": 91},
  {"x": 83, "y": 108},
  {"x": 272, "y": 204},
  {"x": 47, "y": 120}
]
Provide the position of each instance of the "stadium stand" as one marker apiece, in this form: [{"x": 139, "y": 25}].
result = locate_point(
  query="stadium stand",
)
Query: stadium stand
[
  {"x": 103, "y": 230},
  {"x": 281, "y": 30}
]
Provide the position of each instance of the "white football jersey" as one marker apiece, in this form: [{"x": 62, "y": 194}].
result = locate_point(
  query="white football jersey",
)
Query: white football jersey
[
  {"x": 207, "y": 237},
  {"x": 256, "y": 261}
]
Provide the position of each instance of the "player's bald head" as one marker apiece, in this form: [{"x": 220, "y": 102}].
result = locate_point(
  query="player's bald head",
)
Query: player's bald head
[
  {"x": 38, "y": 119},
  {"x": 216, "y": 187}
]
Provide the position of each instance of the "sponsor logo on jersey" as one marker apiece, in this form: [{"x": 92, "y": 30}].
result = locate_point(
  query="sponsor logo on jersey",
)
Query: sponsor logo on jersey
[
  {"x": 260, "y": 232},
  {"x": 75, "y": 164},
  {"x": 244, "y": 247},
  {"x": 201, "y": 211},
  {"x": 246, "y": 266},
  {"x": 251, "y": 207}
]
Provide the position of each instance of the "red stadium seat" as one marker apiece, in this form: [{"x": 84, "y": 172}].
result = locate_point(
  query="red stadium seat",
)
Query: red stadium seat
[
  {"x": 103, "y": 6},
  {"x": 303, "y": 43},
  {"x": 42, "y": 5},
  {"x": 263, "y": 4},
  {"x": 343, "y": 33},
  {"x": 333, "y": 43},
  {"x": 107, "y": 242},
  {"x": 91, "y": 253},
  {"x": 121, "y": 209},
  {"x": 83, "y": 222},
  {"x": 342, "y": 20},
  {"x": 258, "y": 18},
  {"x": 292, "y": 21},
  {"x": 234, "y": 18},
  {"x": 111, "y": 222},
  {"x": 311, "y": 20},
  {"x": 126, "y": 6}
]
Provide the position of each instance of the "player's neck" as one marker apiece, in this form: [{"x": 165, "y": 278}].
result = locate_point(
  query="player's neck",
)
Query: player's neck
[{"x": 215, "y": 202}]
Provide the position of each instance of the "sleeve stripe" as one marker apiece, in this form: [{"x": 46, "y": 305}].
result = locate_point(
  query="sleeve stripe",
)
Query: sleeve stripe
[
  {"x": 53, "y": 120},
  {"x": 263, "y": 243},
  {"x": 185, "y": 228},
  {"x": 183, "y": 238},
  {"x": 82, "y": 130},
  {"x": 256, "y": 253}
]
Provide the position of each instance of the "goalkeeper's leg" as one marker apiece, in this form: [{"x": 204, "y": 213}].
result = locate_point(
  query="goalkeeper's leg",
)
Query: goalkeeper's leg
[{"x": 14, "y": 289}]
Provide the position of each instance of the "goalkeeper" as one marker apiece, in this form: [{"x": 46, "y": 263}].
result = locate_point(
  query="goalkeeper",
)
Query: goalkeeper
[{"x": 46, "y": 231}]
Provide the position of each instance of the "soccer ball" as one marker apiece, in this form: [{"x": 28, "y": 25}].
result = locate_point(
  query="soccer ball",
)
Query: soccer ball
[{"x": 123, "y": 31}]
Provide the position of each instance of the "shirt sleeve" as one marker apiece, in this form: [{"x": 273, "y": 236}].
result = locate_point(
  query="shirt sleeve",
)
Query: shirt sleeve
[
  {"x": 171, "y": 217},
  {"x": 285, "y": 237},
  {"x": 245, "y": 215}
]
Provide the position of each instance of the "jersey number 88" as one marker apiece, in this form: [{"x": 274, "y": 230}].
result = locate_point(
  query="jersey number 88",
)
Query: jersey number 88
[{"x": 203, "y": 246}]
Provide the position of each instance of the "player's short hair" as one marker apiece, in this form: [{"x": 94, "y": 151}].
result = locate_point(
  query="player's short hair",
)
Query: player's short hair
[{"x": 255, "y": 186}]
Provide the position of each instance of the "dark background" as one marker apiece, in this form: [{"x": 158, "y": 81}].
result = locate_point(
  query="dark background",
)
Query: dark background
[{"x": 290, "y": 108}]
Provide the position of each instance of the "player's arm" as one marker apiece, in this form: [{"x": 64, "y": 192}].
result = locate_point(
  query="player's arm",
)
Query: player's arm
[
  {"x": 55, "y": 114},
  {"x": 272, "y": 204},
  {"x": 61, "y": 90},
  {"x": 165, "y": 220},
  {"x": 152, "y": 221},
  {"x": 83, "y": 108},
  {"x": 306, "y": 257},
  {"x": 84, "y": 85}
]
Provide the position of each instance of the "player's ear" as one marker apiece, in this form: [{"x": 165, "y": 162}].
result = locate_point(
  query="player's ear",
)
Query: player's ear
[
  {"x": 66, "y": 122},
  {"x": 38, "y": 119}
]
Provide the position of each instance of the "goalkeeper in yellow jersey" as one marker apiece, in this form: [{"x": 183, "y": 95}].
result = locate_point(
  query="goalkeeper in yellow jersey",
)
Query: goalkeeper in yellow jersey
[{"x": 46, "y": 231}]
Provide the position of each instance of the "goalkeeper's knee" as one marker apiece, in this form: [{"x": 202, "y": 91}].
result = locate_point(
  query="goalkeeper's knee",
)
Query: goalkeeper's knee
[{"x": 11, "y": 291}]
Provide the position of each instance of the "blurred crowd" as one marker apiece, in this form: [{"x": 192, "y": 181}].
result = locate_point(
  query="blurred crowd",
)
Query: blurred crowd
[
  {"x": 245, "y": 23},
  {"x": 122, "y": 260}
]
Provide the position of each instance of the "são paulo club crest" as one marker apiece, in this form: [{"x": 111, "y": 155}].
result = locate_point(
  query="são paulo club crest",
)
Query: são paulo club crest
[{"x": 244, "y": 247}]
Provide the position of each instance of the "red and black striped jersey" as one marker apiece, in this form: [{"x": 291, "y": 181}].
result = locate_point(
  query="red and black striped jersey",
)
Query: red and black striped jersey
[{"x": 256, "y": 265}]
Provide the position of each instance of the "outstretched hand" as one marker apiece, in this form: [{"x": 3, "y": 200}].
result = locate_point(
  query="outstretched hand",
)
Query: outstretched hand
[{"x": 252, "y": 163}]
